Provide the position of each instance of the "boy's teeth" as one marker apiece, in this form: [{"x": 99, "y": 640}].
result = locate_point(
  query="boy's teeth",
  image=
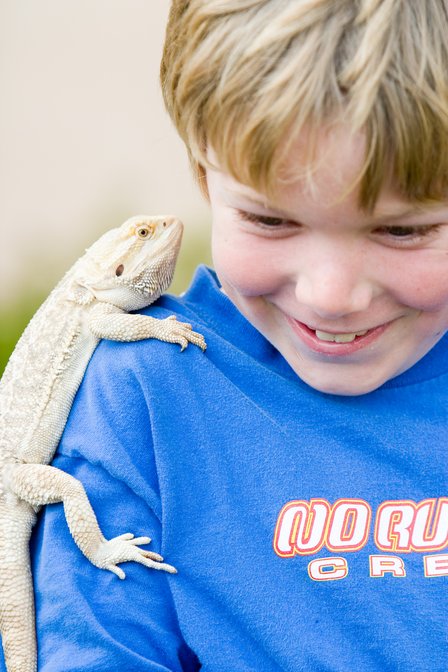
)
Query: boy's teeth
[{"x": 339, "y": 338}]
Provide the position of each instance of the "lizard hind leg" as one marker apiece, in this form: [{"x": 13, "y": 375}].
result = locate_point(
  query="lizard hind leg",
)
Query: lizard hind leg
[{"x": 40, "y": 484}]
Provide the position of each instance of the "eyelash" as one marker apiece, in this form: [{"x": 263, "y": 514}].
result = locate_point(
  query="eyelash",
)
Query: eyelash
[
  {"x": 262, "y": 220},
  {"x": 401, "y": 235}
]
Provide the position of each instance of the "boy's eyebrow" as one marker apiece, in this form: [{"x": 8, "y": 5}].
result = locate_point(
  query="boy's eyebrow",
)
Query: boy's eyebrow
[
  {"x": 418, "y": 210},
  {"x": 380, "y": 217},
  {"x": 260, "y": 202}
]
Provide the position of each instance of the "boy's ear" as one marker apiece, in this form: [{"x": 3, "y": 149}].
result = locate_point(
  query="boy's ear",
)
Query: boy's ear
[{"x": 201, "y": 177}]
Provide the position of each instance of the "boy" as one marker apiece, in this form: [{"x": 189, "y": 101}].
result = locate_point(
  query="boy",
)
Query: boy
[{"x": 295, "y": 474}]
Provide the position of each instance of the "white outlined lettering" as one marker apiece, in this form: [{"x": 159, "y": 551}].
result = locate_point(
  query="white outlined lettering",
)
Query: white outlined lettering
[
  {"x": 349, "y": 524},
  {"x": 406, "y": 526},
  {"x": 393, "y": 526},
  {"x": 430, "y": 529},
  {"x": 401, "y": 526},
  {"x": 301, "y": 527},
  {"x": 328, "y": 569},
  {"x": 380, "y": 565},
  {"x": 435, "y": 565}
]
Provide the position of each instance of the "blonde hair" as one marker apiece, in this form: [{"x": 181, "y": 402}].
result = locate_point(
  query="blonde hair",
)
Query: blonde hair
[{"x": 246, "y": 76}]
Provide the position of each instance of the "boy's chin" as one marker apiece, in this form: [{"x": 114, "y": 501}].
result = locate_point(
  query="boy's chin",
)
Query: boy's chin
[
  {"x": 347, "y": 383},
  {"x": 343, "y": 389}
]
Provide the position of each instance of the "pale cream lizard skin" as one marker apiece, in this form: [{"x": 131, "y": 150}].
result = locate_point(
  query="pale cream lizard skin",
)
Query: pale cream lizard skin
[{"x": 126, "y": 269}]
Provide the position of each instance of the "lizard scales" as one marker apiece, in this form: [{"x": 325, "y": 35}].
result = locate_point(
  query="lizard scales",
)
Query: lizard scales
[{"x": 126, "y": 269}]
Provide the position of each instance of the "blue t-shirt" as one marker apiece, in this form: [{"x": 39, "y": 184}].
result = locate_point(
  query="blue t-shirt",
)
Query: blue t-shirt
[{"x": 310, "y": 531}]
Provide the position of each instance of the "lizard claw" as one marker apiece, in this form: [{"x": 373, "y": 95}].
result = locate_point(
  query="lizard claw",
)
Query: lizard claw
[
  {"x": 180, "y": 332},
  {"x": 124, "y": 548}
]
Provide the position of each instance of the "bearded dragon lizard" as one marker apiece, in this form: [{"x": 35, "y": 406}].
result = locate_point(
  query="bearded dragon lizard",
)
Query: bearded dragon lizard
[{"x": 125, "y": 270}]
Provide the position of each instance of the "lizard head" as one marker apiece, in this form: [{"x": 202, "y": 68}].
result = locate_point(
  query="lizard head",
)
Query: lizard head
[{"x": 132, "y": 265}]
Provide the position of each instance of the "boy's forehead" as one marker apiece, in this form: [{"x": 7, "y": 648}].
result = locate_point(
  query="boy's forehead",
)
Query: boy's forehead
[
  {"x": 327, "y": 174},
  {"x": 326, "y": 167}
]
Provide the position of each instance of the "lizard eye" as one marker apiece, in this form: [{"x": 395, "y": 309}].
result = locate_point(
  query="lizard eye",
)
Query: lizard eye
[
  {"x": 143, "y": 232},
  {"x": 119, "y": 270}
]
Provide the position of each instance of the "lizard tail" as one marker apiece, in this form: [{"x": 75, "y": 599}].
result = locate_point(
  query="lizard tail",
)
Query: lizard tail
[{"x": 17, "y": 620}]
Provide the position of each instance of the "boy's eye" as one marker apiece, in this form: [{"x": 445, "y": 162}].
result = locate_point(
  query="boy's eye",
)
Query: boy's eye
[
  {"x": 407, "y": 235},
  {"x": 400, "y": 231},
  {"x": 263, "y": 220}
]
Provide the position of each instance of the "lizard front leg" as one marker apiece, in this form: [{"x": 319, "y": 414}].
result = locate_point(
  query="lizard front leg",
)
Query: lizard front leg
[
  {"x": 107, "y": 321},
  {"x": 41, "y": 484}
]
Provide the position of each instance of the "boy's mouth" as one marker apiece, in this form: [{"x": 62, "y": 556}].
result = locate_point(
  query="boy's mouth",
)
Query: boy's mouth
[
  {"x": 335, "y": 343},
  {"x": 338, "y": 338}
]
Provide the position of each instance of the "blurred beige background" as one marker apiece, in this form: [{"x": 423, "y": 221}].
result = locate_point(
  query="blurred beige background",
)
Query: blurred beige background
[{"x": 85, "y": 141}]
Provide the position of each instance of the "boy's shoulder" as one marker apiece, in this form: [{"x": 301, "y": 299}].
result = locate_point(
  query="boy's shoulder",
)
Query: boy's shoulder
[
  {"x": 155, "y": 372},
  {"x": 209, "y": 312},
  {"x": 149, "y": 365},
  {"x": 193, "y": 307}
]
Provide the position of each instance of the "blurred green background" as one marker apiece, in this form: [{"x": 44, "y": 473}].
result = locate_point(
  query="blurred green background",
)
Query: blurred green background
[{"x": 14, "y": 318}]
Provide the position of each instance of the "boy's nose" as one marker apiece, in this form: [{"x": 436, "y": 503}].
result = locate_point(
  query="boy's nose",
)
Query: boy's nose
[{"x": 334, "y": 287}]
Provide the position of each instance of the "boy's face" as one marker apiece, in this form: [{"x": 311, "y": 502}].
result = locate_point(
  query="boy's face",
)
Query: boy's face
[{"x": 350, "y": 299}]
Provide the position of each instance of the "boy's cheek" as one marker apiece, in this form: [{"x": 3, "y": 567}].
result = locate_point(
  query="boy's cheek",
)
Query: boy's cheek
[
  {"x": 417, "y": 279},
  {"x": 245, "y": 270},
  {"x": 425, "y": 291}
]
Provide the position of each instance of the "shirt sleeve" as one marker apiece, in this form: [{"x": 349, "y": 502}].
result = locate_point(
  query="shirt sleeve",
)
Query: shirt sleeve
[{"x": 87, "y": 618}]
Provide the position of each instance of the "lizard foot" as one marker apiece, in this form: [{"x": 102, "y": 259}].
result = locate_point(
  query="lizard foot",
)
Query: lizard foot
[
  {"x": 124, "y": 548},
  {"x": 173, "y": 331}
]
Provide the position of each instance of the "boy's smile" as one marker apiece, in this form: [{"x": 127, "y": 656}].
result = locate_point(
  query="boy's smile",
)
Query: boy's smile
[{"x": 351, "y": 299}]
